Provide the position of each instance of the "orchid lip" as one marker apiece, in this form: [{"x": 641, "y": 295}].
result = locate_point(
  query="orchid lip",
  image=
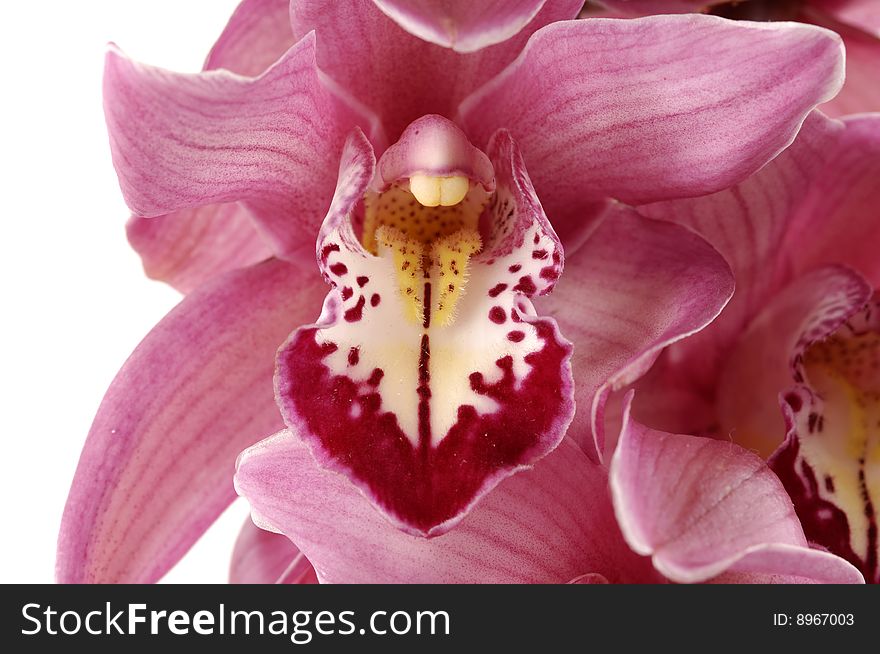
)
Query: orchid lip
[
  {"x": 830, "y": 462},
  {"x": 429, "y": 377}
]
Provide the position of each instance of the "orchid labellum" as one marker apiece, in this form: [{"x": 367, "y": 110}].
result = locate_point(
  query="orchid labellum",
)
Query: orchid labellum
[
  {"x": 368, "y": 205},
  {"x": 428, "y": 377}
]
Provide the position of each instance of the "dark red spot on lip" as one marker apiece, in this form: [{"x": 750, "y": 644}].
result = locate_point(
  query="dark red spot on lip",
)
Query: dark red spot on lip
[
  {"x": 516, "y": 336},
  {"x": 526, "y": 286},
  {"x": 550, "y": 273},
  {"x": 347, "y": 293},
  {"x": 376, "y": 376},
  {"x": 515, "y": 268},
  {"x": 339, "y": 269},
  {"x": 328, "y": 348},
  {"x": 327, "y": 250},
  {"x": 496, "y": 290},
  {"x": 497, "y": 315},
  {"x": 514, "y": 315},
  {"x": 540, "y": 254},
  {"x": 537, "y": 238},
  {"x": 362, "y": 280},
  {"x": 356, "y": 312},
  {"x": 794, "y": 401},
  {"x": 354, "y": 355},
  {"x": 375, "y": 299}
]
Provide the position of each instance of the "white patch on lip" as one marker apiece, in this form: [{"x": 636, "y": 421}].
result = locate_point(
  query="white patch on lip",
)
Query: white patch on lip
[
  {"x": 388, "y": 339},
  {"x": 385, "y": 337}
]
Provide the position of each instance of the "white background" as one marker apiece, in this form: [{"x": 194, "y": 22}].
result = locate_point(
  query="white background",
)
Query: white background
[{"x": 74, "y": 298}]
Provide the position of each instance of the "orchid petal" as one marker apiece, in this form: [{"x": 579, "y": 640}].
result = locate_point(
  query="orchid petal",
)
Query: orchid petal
[
  {"x": 837, "y": 219},
  {"x": 861, "y": 93},
  {"x": 189, "y": 247},
  {"x": 154, "y": 472},
  {"x": 861, "y": 37},
  {"x": 863, "y": 14},
  {"x": 398, "y": 75},
  {"x": 186, "y": 248},
  {"x": 588, "y": 579},
  {"x": 427, "y": 415},
  {"x": 654, "y": 108},
  {"x": 789, "y": 564},
  {"x": 749, "y": 225},
  {"x": 462, "y": 25},
  {"x": 857, "y": 22},
  {"x": 648, "y": 7},
  {"x": 262, "y": 557},
  {"x": 549, "y": 524},
  {"x": 763, "y": 361},
  {"x": 700, "y": 507},
  {"x": 185, "y": 141},
  {"x": 632, "y": 289},
  {"x": 257, "y": 35},
  {"x": 741, "y": 578}
]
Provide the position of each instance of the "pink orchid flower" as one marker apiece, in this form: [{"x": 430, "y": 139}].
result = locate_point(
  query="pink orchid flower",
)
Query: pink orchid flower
[
  {"x": 857, "y": 22},
  {"x": 435, "y": 372},
  {"x": 802, "y": 331}
]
